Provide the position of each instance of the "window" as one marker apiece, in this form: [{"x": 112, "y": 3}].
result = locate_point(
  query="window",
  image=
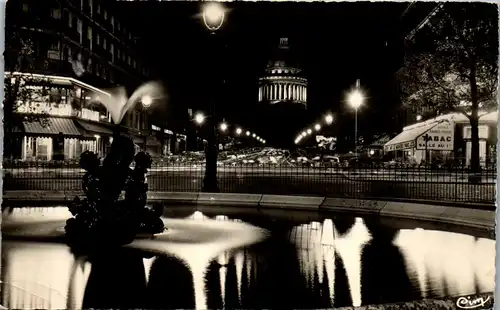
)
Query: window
[
  {"x": 112, "y": 50},
  {"x": 483, "y": 132},
  {"x": 112, "y": 21},
  {"x": 98, "y": 9},
  {"x": 70, "y": 20},
  {"x": 129, "y": 60},
  {"x": 55, "y": 13},
  {"x": 79, "y": 26},
  {"x": 118, "y": 54},
  {"x": 89, "y": 33},
  {"x": 98, "y": 39},
  {"x": 26, "y": 7},
  {"x": 134, "y": 64},
  {"x": 105, "y": 14},
  {"x": 104, "y": 43}
]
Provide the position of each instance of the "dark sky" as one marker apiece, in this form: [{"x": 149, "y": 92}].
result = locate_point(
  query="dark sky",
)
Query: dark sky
[{"x": 335, "y": 43}]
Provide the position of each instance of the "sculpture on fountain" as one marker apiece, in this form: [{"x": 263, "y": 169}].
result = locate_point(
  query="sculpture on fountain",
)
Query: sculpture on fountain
[
  {"x": 114, "y": 209},
  {"x": 105, "y": 216}
]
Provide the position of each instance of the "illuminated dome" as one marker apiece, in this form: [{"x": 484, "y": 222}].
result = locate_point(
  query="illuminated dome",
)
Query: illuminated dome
[{"x": 283, "y": 81}]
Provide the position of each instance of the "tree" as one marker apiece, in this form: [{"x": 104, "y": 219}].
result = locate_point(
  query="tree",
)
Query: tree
[
  {"x": 22, "y": 88},
  {"x": 451, "y": 65}
]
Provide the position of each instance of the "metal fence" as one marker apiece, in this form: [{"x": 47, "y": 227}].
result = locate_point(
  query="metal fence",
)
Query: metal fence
[{"x": 450, "y": 184}]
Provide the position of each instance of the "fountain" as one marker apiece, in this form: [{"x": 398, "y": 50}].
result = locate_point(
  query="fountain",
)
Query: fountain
[{"x": 114, "y": 209}]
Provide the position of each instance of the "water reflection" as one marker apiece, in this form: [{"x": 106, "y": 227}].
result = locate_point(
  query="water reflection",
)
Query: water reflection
[{"x": 321, "y": 264}]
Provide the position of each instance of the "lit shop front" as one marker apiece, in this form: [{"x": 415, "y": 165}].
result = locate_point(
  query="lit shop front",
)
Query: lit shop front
[{"x": 445, "y": 137}]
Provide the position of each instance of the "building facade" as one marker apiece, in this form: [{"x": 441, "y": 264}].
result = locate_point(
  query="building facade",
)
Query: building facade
[
  {"x": 283, "y": 81},
  {"x": 64, "y": 53},
  {"x": 281, "y": 98},
  {"x": 446, "y": 137}
]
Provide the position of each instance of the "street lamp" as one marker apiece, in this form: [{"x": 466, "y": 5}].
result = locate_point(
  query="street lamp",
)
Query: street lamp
[
  {"x": 253, "y": 135},
  {"x": 248, "y": 133},
  {"x": 329, "y": 119},
  {"x": 309, "y": 131},
  {"x": 223, "y": 126},
  {"x": 317, "y": 127},
  {"x": 146, "y": 101},
  {"x": 213, "y": 18},
  {"x": 355, "y": 100},
  {"x": 238, "y": 131},
  {"x": 199, "y": 118}
]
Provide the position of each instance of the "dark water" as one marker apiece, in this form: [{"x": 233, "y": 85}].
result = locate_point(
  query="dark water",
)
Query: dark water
[{"x": 307, "y": 260}]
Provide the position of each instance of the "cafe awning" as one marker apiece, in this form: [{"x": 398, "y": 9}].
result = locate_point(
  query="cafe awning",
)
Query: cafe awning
[
  {"x": 51, "y": 126},
  {"x": 92, "y": 128},
  {"x": 407, "y": 139}
]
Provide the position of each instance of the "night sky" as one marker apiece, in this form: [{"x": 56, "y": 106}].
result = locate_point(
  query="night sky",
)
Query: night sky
[{"x": 335, "y": 43}]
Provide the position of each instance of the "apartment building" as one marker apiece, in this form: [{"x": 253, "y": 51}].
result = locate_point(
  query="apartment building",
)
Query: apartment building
[{"x": 78, "y": 48}]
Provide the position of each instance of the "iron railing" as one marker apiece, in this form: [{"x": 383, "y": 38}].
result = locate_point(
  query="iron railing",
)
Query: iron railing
[{"x": 451, "y": 184}]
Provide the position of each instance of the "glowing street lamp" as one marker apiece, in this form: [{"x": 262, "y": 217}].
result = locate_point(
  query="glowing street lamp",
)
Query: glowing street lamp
[
  {"x": 223, "y": 126},
  {"x": 304, "y": 134},
  {"x": 355, "y": 100},
  {"x": 213, "y": 15},
  {"x": 253, "y": 135},
  {"x": 317, "y": 127},
  {"x": 248, "y": 133},
  {"x": 238, "y": 131},
  {"x": 329, "y": 119},
  {"x": 199, "y": 118},
  {"x": 146, "y": 101},
  {"x": 309, "y": 131}
]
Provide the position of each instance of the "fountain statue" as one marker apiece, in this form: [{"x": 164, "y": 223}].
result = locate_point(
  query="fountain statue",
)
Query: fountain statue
[{"x": 114, "y": 209}]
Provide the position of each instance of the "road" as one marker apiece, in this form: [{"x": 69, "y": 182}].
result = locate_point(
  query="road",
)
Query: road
[{"x": 452, "y": 188}]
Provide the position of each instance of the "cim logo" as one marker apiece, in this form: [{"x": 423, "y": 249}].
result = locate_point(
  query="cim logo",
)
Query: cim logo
[{"x": 475, "y": 302}]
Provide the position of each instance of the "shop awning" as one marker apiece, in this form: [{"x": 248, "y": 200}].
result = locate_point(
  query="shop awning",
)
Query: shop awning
[
  {"x": 95, "y": 128},
  {"x": 51, "y": 126},
  {"x": 407, "y": 139}
]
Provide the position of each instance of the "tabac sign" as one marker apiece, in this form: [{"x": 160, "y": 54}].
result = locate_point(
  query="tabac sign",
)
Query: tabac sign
[{"x": 439, "y": 138}]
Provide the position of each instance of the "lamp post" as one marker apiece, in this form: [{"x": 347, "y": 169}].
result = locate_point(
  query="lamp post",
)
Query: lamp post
[
  {"x": 213, "y": 18},
  {"x": 146, "y": 103},
  {"x": 355, "y": 100}
]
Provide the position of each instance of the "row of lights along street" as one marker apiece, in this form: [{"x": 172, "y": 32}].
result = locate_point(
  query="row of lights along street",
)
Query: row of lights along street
[
  {"x": 355, "y": 99},
  {"x": 200, "y": 119}
]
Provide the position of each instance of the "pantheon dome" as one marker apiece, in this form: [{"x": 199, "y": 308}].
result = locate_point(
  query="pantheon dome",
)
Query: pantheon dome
[{"x": 283, "y": 81}]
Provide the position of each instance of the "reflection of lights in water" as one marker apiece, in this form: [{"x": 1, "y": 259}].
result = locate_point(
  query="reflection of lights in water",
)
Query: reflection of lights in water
[
  {"x": 222, "y": 260},
  {"x": 148, "y": 262},
  {"x": 350, "y": 247},
  {"x": 328, "y": 244},
  {"x": 450, "y": 262},
  {"x": 317, "y": 244},
  {"x": 37, "y": 276},
  {"x": 239, "y": 258},
  {"x": 206, "y": 243},
  {"x": 80, "y": 275}
]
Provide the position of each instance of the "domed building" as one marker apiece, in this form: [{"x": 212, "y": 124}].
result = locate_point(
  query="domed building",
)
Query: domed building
[
  {"x": 283, "y": 80},
  {"x": 282, "y": 98}
]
